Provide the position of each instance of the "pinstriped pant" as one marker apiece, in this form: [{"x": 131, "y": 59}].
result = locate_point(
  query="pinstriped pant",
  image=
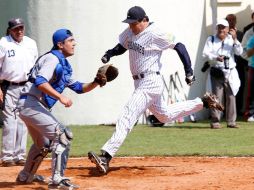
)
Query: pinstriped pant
[{"x": 148, "y": 95}]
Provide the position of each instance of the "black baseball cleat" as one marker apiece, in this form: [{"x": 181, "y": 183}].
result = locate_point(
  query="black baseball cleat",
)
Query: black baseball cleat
[
  {"x": 101, "y": 162},
  {"x": 65, "y": 184},
  {"x": 211, "y": 101}
]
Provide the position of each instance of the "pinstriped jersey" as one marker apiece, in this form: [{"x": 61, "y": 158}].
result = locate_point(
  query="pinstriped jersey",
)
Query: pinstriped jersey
[{"x": 145, "y": 48}]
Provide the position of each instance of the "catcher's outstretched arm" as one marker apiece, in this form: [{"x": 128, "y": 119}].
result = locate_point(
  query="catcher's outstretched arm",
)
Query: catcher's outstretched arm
[
  {"x": 89, "y": 86},
  {"x": 117, "y": 50}
]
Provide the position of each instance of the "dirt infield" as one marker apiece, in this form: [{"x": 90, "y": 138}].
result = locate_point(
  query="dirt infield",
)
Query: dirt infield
[{"x": 150, "y": 173}]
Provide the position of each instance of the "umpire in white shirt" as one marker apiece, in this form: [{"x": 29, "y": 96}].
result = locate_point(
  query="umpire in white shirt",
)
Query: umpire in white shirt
[{"x": 18, "y": 54}]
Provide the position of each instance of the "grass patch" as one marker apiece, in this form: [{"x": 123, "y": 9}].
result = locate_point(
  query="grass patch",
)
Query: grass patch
[{"x": 186, "y": 139}]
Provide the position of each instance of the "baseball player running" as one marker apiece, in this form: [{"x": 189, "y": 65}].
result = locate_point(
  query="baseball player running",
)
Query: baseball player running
[
  {"x": 145, "y": 43},
  {"x": 18, "y": 54},
  {"x": 48, "y": 79}
]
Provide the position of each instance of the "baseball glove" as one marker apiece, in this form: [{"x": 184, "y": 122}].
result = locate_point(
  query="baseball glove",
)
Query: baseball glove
[{"x": 106, "y": 73}]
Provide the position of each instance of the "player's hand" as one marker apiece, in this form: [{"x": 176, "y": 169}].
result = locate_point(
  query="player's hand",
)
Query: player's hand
[
  {"x": 105, "y": 58},
  {"x": 65, "y": 101},
  {"x": 220, "y": 58},
  {"x": 232, "y": 31},
  {"x": 190, "y": 79}
]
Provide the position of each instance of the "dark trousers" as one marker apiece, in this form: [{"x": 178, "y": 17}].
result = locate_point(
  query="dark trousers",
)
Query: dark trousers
[
  {"x": 249, "y": 111},
  {"x": 221, "y": 88},
  {"x": 241, "y": 67}
]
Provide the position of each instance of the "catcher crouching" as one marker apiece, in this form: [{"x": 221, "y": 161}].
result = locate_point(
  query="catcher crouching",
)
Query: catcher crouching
[{"x": 50, "y": 75}]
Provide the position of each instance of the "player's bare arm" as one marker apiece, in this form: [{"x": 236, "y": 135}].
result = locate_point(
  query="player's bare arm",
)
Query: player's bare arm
[
  {"x": 87, "y": 87},
  {"x": 47, "y": 89},
  {"x": 250, "y": 52}
]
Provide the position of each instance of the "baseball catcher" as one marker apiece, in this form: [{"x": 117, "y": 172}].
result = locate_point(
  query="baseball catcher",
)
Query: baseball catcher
[{"x": 106, "y": 73}]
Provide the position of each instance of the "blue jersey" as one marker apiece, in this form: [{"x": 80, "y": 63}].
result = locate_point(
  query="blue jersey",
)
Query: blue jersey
[{"x": 55, "y": 69}]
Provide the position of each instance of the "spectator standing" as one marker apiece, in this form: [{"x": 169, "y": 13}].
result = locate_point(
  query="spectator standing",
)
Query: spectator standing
[
  {"x": 241, "y": 66},
  {"x": 249, "y": 32},
  {"x": 250, "y": 92},
  {"x": 219, "y": 49}
]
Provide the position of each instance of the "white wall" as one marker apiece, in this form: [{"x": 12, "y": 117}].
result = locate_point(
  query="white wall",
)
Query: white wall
[
  {"x": 96, "y": 25},
  {"x": 241, "y": 8}
]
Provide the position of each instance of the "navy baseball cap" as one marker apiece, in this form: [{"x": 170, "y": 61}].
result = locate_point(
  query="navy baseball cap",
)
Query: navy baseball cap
[
  {"x": 60, "y": 35},
  {"x": 15, "y": 22},
  {"x": 135, "y": 14}
]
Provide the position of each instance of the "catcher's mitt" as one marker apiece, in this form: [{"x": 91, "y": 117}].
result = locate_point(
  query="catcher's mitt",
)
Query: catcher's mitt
[{"x": 106, "y": 73}]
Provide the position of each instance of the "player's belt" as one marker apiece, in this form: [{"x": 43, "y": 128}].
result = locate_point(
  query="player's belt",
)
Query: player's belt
[
  {"x": 17, "y": 83},
  {"x": 25, "y": 96},
  {"x": 143, "y": 75}
]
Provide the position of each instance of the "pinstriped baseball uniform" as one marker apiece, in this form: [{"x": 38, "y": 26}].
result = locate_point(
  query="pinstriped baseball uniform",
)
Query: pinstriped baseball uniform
[
  {"x": 16, "y": 60},
  {"x": 145, "y": 50}
]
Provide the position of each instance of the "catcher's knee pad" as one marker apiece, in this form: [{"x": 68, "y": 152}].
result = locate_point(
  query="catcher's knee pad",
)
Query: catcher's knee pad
[
  {"x": 36, "y": 162},
  {"x": 65, "y": 136},
  {"x": 60, "y": 153}
]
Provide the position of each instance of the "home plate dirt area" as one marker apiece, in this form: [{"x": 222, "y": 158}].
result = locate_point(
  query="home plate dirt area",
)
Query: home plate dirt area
[{"x": 149, "y": 173}]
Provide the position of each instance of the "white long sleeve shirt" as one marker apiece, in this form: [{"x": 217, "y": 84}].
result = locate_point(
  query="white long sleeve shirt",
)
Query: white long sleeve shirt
[{"x": 228, "y": 47}]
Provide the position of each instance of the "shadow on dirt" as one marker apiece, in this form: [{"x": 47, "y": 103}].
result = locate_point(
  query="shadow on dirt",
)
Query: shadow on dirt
[
  {"x": 14, "y": 185},
  {"x": 94, "y": 172}
]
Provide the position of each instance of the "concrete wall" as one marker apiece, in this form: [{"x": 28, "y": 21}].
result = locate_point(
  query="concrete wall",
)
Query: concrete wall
[
  {"x": 241, "y": 8},
  {"x": 96, "y": 25}
]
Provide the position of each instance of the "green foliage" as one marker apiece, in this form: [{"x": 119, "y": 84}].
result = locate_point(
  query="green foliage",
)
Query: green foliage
[{"x": 186, "y": 139}]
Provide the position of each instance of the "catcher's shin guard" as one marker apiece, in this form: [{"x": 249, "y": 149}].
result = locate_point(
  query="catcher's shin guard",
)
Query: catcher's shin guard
[
  {"x": 60, "y": 154},
  {"x": 36, "y": 163}
]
